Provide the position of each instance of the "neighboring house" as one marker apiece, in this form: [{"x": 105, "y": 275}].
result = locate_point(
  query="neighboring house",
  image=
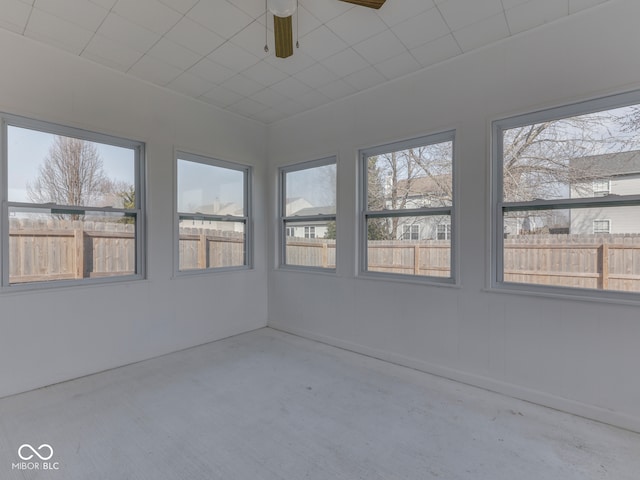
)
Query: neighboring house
[
  {"x": 309, "y": 229},
  {"x": 300, "y": 207},
  {"x": 217, "y": 208},
  {"x": 610, "y": 174},
  {"x": 420, "y": 192}
]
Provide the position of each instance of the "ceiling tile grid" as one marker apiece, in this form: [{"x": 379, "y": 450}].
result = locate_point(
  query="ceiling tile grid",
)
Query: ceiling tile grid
[{"x": 214, "y": 50}]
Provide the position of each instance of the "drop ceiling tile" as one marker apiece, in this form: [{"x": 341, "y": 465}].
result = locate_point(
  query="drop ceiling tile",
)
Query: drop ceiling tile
[
  {"x": 316, "y": 76},
  {"x": 14, "y": 15},
  {"x": 421, "y": 29},
  {"x": 211, "y": 72},
  {"x": 380, "y": 47},
  {"x": 55, "y": 31},
  {"x": 337, "y": 89},
  {"x": 436, "y": 51},
  {"x": 190, "y": 85},
  {"x": 254, "y": 8},
  {"x": 292, "y": 65},
  {"x": 367, "y": 78},
  {"x": 247, "y": 107},
  {"x": 306, "y": 21},
  {"x": 264, "y": 73},
  {"x": 123, "y": 31},
  {"x": 242, "y": 85},
  {"x": 154, "y": 71},
  {"x": 356, "y": 25},
  {"x": 108, "y": 4},
  {"x": 461, "y": 13},
  {"x": 269, "y": 115},
  {"x": 182, "y": 6},
  {"x": 233, "y": 57},
  {"x": 252, "y": 39},
  {"x": 111, "y": 53},
  {"x": 313, "y": 99},
  {"x": 482, "y": 33},
  {"x": 85, "y": 14},
  {"x": 345, "y": 63},
  {"x": 174, "y": 54},
  {"x": 290, "y": 87},
  {"x": 577, "y": 5},
  {"x": 194, "y": 36},
  {"x": 535, "y": 13},
  {"x": 322, "y": 43},
  {"x": 150, "y": 14},
  {"x": 220, "y": 96},
  {"x": 220, "y": 16},
  {"x": 410, "y": 8},
  {"x": 291, "y": 107},
  {"x": 325, "y": 11},
  {"x": 397, "y": 66},
  {"x": 269, "y": 97}
]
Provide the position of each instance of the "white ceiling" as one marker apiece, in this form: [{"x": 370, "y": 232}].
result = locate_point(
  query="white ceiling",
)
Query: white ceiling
[{"x": 213, "y": 50}]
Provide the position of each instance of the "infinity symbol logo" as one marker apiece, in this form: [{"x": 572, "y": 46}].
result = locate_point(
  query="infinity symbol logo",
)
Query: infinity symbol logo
[{"x": 41, "y": 452}]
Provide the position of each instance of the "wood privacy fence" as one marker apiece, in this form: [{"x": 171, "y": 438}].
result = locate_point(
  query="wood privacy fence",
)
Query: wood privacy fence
[{"x": 61, "y": 249}]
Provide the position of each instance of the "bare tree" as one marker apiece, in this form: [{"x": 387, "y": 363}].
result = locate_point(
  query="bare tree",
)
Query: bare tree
[{"x": 71, "y": 174}]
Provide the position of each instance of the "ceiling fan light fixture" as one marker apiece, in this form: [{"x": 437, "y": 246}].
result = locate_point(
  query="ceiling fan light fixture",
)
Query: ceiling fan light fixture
[{"x": 282, "y": 8}]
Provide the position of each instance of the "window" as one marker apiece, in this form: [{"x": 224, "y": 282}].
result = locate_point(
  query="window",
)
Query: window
[
  {"x": 213, "y": 214},
  {"x": 601, "y": 188},
  {"x": 602, "y": 226},
  {"x": 309, "y": 232},
  {"x": 308, "y": 211},
  {"x": 407, "y": 191},
  {"x": 73, "y": 205},
  {"x": 553, "y": 178},
  {"x": 410, "y": 232},
  {"x": 443, "y": 231}
]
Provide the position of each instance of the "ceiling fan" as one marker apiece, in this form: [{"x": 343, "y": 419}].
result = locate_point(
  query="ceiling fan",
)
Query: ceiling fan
[{"x": 283, "y": 10}]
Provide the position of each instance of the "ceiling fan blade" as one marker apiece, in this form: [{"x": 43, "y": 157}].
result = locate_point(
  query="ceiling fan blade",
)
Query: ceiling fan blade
[
  {"x": 283, "y": 29},
  {"x": 366, "y": 3}
]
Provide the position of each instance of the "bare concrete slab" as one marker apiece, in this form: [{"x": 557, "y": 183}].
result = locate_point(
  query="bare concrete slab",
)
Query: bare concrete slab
[{"x": 267, "y": 405}]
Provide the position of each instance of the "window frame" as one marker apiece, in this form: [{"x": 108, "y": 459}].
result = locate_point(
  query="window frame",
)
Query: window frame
[
  {"x": 285, "y": 221},
  {"x": 246, "y": 219},
  {"x": 601, "y": 220},
  {"x": 425, "y": 211},
  {"x": 498, "y": 207},
  {"x": 138, "y": 148}
]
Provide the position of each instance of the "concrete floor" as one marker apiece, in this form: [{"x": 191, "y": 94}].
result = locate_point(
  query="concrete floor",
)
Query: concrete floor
[{"x": 267, "y": 405}]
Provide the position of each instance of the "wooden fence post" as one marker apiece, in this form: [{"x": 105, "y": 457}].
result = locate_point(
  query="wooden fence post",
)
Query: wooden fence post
[
  {"x": 78, "y": 236},
  {"x": 202, "y": 251},
  {"x": 416, "y": 259},
  {"x": 325, "y": 255},
  {"x": 603, "y": 264}
]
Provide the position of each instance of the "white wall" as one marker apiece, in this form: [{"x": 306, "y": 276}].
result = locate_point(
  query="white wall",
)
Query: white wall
[
  {"x": 54, "y": 335},
  {"x": 571, "y": 354}
]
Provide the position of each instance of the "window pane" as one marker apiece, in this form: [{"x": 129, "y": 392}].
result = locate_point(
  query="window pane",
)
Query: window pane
[
  {"x": 209, "y": 189},
  {"x": 45, "y": 246},
  {"x": 47, "y": 168},
  {"x": 413, "y": 178},
  {"x": 563, "y": 248},
  {"x": 311, "y": 245},
  {"x": 311, "y": 191},
  {"x": 573, "y": 157},
  {"x": 207, "y": 244},
  {"x": 390, "y": 250}
]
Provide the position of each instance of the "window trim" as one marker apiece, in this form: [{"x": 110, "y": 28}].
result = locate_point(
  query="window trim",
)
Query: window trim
[
  {"x": 608, "y": 222},
  {"x": 284, "y": 221},
  {"x": 247, "y": 219},
  {"x": 138, "y": 148},
  {"x": 451, "y": 211},
  {"x": 496, "y": 281}
]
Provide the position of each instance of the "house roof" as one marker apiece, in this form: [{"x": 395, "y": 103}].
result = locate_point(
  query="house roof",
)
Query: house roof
[
  {"x": 309, "y": 211},
  {"x": 609, "y": 164},
  {"x": 419, "y": 186}
]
